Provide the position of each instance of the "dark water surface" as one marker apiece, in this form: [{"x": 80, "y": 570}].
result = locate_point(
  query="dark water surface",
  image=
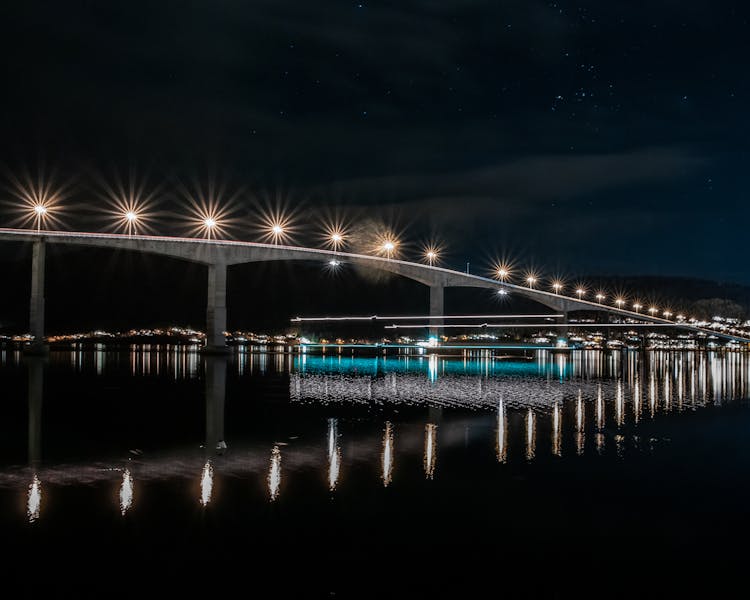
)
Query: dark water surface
[{"x": 588, "y": 474}]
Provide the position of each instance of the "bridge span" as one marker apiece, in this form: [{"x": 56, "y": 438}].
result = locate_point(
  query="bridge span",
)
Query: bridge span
[{"x": 218, "y": 255}]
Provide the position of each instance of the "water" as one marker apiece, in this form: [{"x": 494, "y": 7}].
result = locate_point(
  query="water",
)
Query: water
[{"x": 321, "y": 476}]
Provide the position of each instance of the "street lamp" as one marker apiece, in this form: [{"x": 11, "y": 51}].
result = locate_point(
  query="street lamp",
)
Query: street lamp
[
  {"x": 40, "y": 212},
  {"x": 388, "y": 248},
  {"x": 557, "y": 286},
  {"x": 130, "y": 217},
  {"x": 431, "y": 255},
  {"x": 667, "y": 314},
  {"x": 336, "y": 239},
  {"x": 653, "y": 310},
  {"x": 209, "y": 224},
  {"x": 619, "y": 302},
  {"x": 637, "y": 307},
  {"x": 531, "y": 280},
  {"x": 600, "y": 297},
  {"x": 277, "y": 231},
  {"x": 580, "y": 292},
  {"x": 502, "y": 273}
]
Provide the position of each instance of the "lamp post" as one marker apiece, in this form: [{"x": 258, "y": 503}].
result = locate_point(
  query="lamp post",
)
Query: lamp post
[
  {"x": 40, "y": 211},
  {"x": 131, "y": 217},
  {"x": 209, "y": 224}
]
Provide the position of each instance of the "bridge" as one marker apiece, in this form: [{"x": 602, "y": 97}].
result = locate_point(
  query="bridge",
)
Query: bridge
[{"x": 218, "y": 255}]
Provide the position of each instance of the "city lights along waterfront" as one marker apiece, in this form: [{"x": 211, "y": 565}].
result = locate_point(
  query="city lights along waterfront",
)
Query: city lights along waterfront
[{"x": 218, "y": 255}]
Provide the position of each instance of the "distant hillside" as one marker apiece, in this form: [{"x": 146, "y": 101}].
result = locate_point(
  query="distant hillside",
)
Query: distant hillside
[{"x": 696, "y": 297}]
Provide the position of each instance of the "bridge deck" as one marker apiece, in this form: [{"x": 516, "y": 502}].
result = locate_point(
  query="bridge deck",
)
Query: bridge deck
[{"x": 232, "y": 252}]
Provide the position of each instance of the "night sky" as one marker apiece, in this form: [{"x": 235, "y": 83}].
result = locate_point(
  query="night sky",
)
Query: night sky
[{"x": 575, "y": 137}]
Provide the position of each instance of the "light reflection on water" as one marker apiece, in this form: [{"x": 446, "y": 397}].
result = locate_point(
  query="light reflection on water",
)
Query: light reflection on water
[
  {"x": 540, "y": 383},
  {"x": 274, "y": 473},
  {"x": 637, "y": 400},
  {"x": 207, "y": 483},
  {"x": 126, "y": 492},
  {"x": 430, "y": 449},
  {"x": 620, "y": 405},
  {"x": 530, "y": 435},
  {"x": 674, "y": 379},
  {"x": 334, "y": 454},
  {"x": 34, "y": 502},
  {"x": 387, "y": 454},
  {"x": 501, "y": 444},
  {"x": 556, "y": 430},
  {"x": 535, "y": 408},
  {"x": 334, "y": 466},
  {"x": 580, "y": 425}
]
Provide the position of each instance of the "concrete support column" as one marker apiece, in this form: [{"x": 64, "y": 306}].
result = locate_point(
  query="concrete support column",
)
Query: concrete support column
[
  {"x": 437, "y": 307},
  {"x": 563, "y": 331},
  {"x": 216, "y": 308},
  {"x": 36, "y": 304},
  {"x": 216, "y": 387}
]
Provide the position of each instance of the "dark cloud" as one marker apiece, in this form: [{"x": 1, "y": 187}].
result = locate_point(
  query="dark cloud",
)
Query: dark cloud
[
  {"x": 543, "y": 123},
  {"x": 525, "y": 182}
]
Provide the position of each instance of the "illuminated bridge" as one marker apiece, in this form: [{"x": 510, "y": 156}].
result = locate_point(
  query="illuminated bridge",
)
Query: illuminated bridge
[{"x": 218, "y": 255}]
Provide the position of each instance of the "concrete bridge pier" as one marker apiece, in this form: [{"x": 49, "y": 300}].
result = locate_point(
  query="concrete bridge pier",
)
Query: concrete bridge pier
[
  {"x": 216, "y": 309},
  {"x": 437, "y": 306},
  {"x": 563, "y": 331},
  {"x": 36, "y": 304}
]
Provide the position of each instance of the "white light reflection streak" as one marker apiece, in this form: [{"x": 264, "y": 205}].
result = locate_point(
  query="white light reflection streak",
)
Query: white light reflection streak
[
  {"x": 599, "y": 437},
  {"x": 334, "y": 454},
  {"x": 207, "y": 483},
  {"x": 430, "y": 449},
  {"x": 556, "y": 430},
  {"x": 126, "y": 492},
  {"x": 332, "y": 435},
  {"x": 652, "y": 395},
  {"x": 334, "y": 467},
  {"x": 530, "y": 451},
  {"x": 580, "y": 420},
  {"x": 274, "y": 473},
  {"x": 502, "y": 442},
  {"x": 387, "y": 454},
  {"x": 432, "y": 367},
  {"x": 620, "y": 405},
  {"x": 34, "y": 503},
  {"x": 637, "y": 399}
]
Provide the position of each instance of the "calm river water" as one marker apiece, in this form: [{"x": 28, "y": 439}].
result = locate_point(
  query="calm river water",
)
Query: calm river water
[{"x": 154, "y": 469}]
